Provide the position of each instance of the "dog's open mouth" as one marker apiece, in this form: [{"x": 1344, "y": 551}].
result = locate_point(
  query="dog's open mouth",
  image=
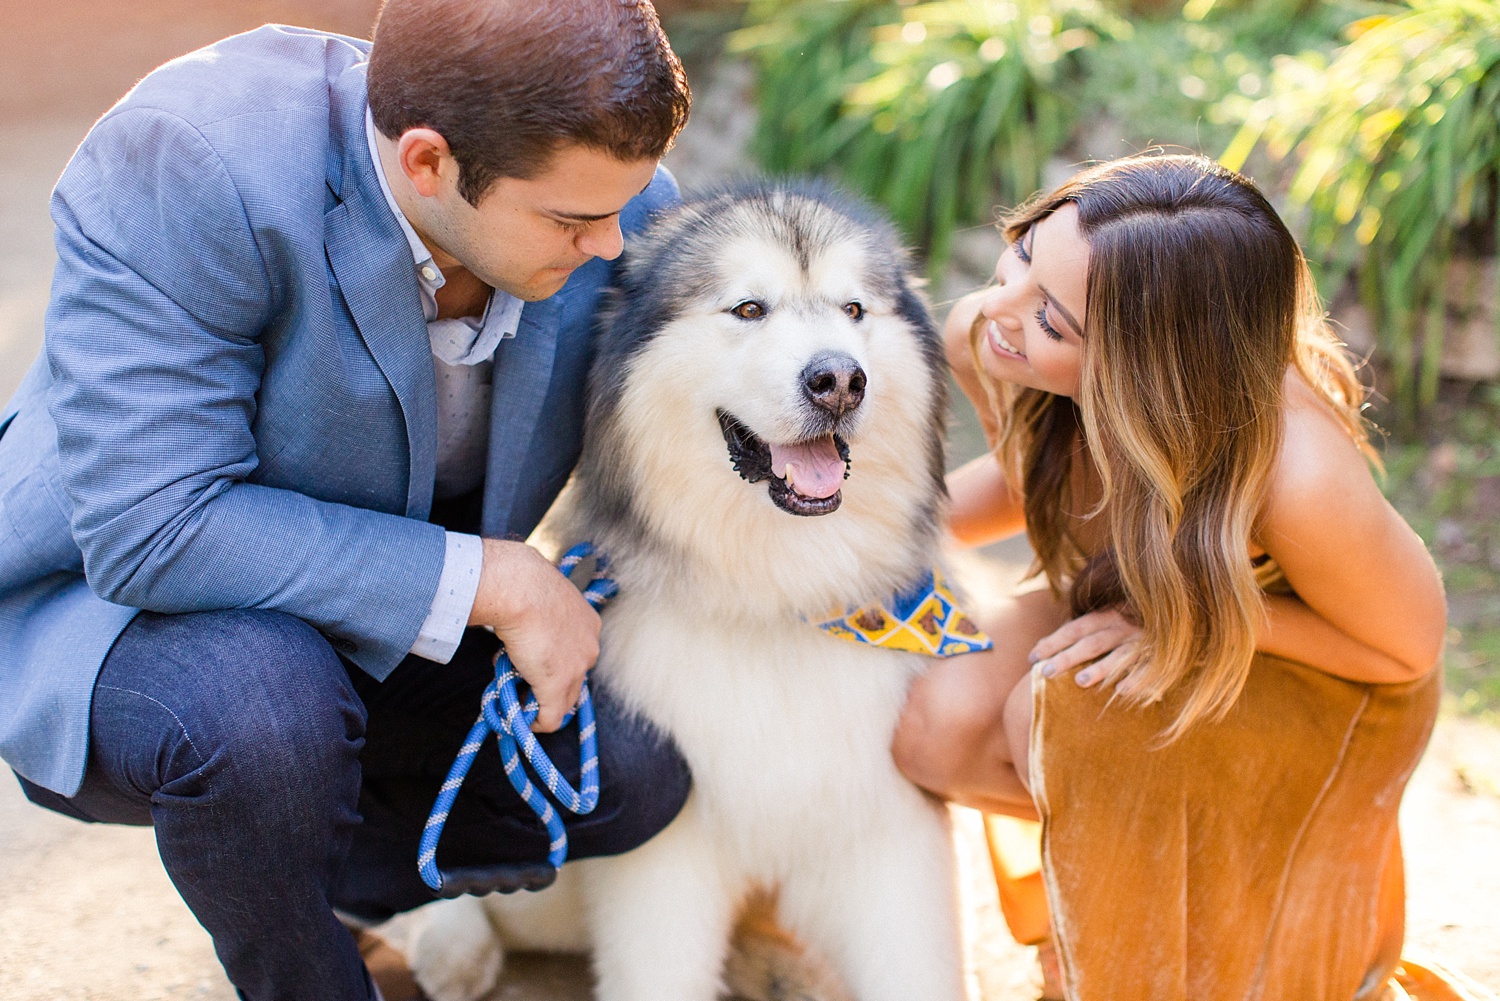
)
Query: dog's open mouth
[{"x": 805, "y": 476}]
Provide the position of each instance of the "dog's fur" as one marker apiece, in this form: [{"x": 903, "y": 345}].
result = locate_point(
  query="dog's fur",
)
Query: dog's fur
[{"x": 787, "y": 730}]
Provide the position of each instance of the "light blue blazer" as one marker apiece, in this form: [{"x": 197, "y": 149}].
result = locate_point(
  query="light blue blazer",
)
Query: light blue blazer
[{"x": 235, "y": 405}]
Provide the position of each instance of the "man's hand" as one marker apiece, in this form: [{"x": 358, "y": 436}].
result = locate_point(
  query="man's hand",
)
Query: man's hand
[{"x": 549, "y": 629}]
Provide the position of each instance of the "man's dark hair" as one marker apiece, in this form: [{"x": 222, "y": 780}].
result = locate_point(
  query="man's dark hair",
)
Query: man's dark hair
[{"x": 506, "y": 82}]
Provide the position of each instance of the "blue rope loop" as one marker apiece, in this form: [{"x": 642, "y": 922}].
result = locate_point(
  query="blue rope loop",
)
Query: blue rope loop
[{"x": 502, "y": 713}]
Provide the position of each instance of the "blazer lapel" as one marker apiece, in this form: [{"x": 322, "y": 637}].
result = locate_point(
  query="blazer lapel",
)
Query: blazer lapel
[
  {"x": 523, "y": 371},
  {"x": 372, "y": 262}
]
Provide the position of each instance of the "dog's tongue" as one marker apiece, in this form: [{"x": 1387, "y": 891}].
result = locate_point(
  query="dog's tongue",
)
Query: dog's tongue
[{"x": 812, "y": 468}]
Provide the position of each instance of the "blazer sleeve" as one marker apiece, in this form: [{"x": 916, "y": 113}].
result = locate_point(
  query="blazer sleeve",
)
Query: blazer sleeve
[{"x": 152, "y": 332}]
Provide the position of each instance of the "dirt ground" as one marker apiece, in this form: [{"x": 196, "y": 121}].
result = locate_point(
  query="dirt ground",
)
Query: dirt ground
[{"x": 88, "y": 913}]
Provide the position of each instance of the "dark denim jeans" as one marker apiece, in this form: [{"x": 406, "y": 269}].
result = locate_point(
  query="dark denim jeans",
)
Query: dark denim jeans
[{"x": 284, "y": 783}]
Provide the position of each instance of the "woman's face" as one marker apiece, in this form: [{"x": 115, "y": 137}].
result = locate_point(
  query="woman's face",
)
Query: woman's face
[{"x": 1032, "y": 321}]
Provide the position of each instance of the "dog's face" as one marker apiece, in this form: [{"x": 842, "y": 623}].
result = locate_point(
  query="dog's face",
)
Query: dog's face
[
  {"x": 784, "y": 348},
  {"x": 768, "y": 388}
]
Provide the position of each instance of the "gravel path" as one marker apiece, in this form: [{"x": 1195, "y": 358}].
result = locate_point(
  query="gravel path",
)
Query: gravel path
[{"x": 87, "y": 912}]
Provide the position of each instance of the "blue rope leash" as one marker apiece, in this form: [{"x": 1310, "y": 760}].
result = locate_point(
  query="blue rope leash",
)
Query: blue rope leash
[{"x": 502, "y": 713}]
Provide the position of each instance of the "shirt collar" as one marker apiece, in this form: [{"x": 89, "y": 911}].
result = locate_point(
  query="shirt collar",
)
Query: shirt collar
[
  {"x": 465, "y": 341},
  {"x": 427, "y": 272}
]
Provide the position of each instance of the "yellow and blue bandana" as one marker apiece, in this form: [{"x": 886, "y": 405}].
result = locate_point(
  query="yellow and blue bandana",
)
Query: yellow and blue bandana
[{"x": 924, "y": 619}]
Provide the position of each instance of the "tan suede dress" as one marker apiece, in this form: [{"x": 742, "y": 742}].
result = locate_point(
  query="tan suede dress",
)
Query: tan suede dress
[{"x": 1256, "y": 858}]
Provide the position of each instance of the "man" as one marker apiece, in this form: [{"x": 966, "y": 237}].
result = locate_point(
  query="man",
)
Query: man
[{"x": 320, "y": 321}]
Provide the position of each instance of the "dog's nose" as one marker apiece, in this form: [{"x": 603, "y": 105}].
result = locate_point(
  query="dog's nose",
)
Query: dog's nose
[{"x": 834, "y": 382}]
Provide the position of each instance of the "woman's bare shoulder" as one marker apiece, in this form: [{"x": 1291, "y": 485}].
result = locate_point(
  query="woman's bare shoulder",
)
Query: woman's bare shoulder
[
  {"x": 1345, "y": 551},
  {"x": 1318, "y": 463}
]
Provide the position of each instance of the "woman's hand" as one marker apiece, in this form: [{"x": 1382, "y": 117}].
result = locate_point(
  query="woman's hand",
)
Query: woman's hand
[
  {"x": 956, "y": 333},
  {"x": 1108, "y": 636},
  {"x": 984, "y": 508}
]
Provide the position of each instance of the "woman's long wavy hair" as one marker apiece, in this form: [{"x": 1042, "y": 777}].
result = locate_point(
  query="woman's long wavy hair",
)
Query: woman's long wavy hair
[{"x": 1199, "y": 300}]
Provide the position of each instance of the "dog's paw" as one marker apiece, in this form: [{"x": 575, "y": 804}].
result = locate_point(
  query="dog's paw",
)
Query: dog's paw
[{"x": 454, "y": 952}]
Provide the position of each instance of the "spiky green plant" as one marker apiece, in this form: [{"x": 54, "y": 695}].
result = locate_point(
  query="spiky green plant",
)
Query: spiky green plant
[
  {"x": 1397, "y": 142},
  {"x": 936, "y": 110}
]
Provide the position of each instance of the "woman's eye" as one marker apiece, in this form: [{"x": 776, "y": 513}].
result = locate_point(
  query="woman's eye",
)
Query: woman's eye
[
  {"x": 1047, "y": 328},
  {"x": 855, "y": 311},
  {"x": 749, "y": 310},
  {"x": 1019, "y": 246}
]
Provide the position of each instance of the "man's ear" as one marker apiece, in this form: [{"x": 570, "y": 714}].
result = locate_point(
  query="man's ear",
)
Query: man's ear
[{"x": 426, "y": 161}]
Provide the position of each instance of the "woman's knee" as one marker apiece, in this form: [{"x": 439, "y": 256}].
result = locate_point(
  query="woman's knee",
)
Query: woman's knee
[
  {"x": 1017, "y": 718},
  {"x": 952, "y": 715},
  {"x": 956, "y": 725}
]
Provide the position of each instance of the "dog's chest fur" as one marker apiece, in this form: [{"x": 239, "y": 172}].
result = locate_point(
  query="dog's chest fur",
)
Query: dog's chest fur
[{"x": 779, "y": 724}]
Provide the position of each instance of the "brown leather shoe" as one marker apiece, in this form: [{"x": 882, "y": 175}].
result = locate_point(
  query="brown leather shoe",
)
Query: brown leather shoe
[{"x": 387, "y": 966}]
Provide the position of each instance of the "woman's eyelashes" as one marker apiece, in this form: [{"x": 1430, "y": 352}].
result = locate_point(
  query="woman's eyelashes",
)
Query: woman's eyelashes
[
  {"x": 1047, "y": 328},
  {"x": 1019, "y": 246}
]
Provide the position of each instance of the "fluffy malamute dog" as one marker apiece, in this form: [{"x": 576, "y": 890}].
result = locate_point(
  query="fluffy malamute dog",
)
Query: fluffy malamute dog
[{"x": 764, "y": 447}]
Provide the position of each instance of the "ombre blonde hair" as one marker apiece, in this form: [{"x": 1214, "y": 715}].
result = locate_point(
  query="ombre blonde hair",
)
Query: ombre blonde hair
[{"x": 1199, "y": 300}]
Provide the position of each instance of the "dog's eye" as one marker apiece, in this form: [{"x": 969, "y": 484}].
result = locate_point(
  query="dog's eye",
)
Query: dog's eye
[
  {"x": 855, "y": 311},
  {"x": 749, "y": 310}
]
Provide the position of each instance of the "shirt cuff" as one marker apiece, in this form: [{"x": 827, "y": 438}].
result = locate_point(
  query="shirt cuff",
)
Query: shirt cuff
[{"x": 440, "y": 634}]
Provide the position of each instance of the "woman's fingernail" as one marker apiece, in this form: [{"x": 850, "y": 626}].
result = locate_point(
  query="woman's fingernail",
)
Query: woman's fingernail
[
  {"x": 1084, "y": 678},
  {"x": 1047, "y": 668},
  {"x": 1033, "y": 657}
]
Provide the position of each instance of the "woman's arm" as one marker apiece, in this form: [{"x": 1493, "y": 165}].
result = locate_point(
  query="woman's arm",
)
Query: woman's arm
[
  {"x": 1295, "y": 632},
  {"x": 984, "y": 507},
  {"x": 961, "y": 359},
  {"x": 1369, "y": 602}
]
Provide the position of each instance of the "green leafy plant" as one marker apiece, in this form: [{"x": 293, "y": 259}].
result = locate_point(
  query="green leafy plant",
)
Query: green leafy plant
[
  {"x": 936, "y": 110},
  {"x": 1176, "y": 80},
  {"x": 1397, "y": 146}
]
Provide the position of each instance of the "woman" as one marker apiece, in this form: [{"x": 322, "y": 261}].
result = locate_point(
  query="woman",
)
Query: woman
[{"x": 1215, "y": 704}]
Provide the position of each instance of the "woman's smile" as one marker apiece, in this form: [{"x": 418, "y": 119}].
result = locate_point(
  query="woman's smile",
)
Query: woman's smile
[
  {"x": 1030, "y": 318},
  {"x": 1000, "y": 345}
]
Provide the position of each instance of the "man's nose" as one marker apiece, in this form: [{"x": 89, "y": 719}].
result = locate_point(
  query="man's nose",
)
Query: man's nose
[{"x": 603, "y": 239}]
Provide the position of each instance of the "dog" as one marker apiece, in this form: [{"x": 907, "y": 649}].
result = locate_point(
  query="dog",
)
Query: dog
[{"x": 763, "y": 448}]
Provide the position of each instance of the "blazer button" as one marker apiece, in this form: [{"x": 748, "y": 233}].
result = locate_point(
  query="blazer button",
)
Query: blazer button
[{"x": 342, "y": 645}]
